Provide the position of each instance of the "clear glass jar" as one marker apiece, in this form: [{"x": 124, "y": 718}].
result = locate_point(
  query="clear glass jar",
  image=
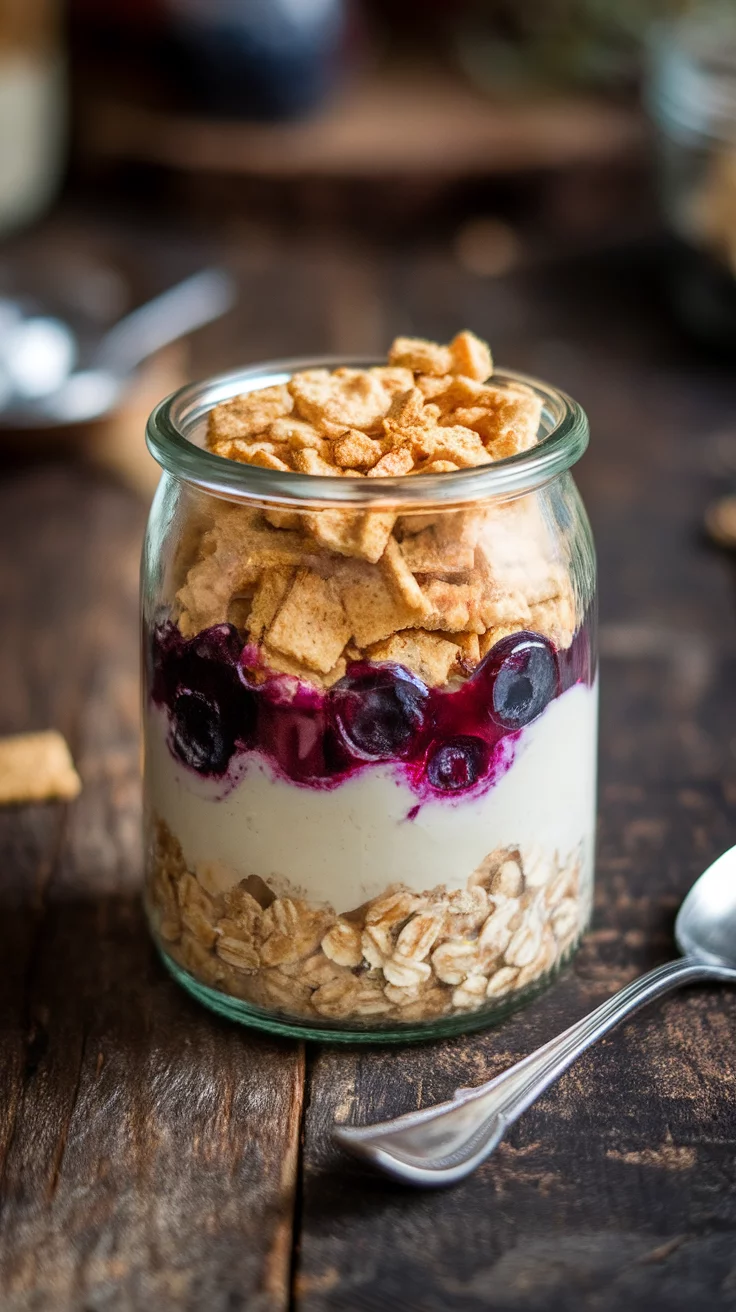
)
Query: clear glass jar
[
  {"x": 400, "y": 843},
  {"x": 32, "y": 109},
  {"x": 692, "y": 99}
]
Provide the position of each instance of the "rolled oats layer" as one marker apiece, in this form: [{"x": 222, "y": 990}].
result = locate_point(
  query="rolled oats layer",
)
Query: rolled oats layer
[{"x": 401, "y": 957}]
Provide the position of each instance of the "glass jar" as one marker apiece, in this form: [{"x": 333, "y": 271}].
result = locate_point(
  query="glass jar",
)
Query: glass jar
[
  {"x": 692, "y": 99},
  {"x": 32, "y": 109},
  {"x": 360, "y": 825}
]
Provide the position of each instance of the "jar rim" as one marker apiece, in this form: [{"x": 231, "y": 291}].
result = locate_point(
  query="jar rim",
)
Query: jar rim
[{"x": 180, "y": 417}]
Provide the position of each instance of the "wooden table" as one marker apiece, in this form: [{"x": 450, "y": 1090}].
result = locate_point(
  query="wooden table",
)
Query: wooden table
[{"x": 155, "y": 1157}]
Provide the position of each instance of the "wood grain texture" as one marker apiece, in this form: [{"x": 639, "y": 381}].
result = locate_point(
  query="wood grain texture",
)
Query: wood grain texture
[{"x": 150, "y": 1154}]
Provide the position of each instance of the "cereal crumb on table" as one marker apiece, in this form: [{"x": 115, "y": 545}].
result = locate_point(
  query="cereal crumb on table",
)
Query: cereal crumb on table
[{"x": 37, "y": 767}]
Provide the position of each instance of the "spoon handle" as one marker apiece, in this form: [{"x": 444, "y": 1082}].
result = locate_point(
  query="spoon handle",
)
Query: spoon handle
[
  {"x": 519, "y": 1086},
  {"x": 178, "y": 311},
  {"x": 442, "y": 1144}
]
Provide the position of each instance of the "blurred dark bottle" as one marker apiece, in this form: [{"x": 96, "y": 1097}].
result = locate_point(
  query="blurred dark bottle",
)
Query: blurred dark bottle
[
  {"x": 32, "y": 108},
  {"x": 258, "y": 59}
]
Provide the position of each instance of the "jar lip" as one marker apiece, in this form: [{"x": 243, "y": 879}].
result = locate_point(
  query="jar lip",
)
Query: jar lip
[{"x": 179, "y": 418}]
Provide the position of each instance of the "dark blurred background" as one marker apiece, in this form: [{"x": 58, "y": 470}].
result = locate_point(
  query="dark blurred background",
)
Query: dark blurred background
[{"x": 558, "y": 175}]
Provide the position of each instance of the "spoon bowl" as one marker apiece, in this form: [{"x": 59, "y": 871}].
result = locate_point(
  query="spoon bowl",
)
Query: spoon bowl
[
  {"x": 706, "y": 922},
  {"x": 442, "y": 1144},
  {"x": 48, "y": 379}
]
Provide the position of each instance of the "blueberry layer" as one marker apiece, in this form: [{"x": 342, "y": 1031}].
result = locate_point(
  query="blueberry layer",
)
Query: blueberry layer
[{"x": 222, "y": 702}]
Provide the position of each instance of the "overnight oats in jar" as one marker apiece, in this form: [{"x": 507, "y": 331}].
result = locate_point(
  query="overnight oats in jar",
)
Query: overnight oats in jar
[{"x": 370, "y": 693}]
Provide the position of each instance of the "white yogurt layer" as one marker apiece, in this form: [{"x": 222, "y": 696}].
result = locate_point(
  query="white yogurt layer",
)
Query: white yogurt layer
[{"x": 344, "y": 845}]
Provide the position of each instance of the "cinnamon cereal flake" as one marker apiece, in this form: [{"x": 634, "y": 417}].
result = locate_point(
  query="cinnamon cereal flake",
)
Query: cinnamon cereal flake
[
  {"x": 421, "y": 356},
  {"x": 471, "y": 357},
  {"x": 424, "y": 654},
  {"x": 250, "y": 413},
  {"x": 36, "y": 767},
  {"x": 311, "y": 625}
]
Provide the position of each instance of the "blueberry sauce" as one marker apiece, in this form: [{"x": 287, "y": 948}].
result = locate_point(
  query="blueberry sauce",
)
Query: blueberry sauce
[{"x": 221, "y": 701}]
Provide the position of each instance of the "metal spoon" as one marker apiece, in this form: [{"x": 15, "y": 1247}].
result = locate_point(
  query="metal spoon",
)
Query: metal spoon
[
  {"x": 442, "y": 1144},
  {"x": 38, "y": 355}
]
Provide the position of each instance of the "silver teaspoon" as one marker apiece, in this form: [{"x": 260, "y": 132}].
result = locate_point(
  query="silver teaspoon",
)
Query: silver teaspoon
[{"x": 442, "y": 1144}]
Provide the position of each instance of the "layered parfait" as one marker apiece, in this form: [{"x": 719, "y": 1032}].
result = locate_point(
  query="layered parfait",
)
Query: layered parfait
[{"x": 370, "y": 733}]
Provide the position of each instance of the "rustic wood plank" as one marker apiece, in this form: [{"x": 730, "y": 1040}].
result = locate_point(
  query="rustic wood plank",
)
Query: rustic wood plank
[
  {"x": 149, "y": 1151},
  {"x": 618, "y": 1187}
]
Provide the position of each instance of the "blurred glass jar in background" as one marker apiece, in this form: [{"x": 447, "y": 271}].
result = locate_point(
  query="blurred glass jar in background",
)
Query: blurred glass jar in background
[
  {"x": 32, "y": 108},
  {"x": 261, "y": 59},
  {"x": 692, "y": 98}
]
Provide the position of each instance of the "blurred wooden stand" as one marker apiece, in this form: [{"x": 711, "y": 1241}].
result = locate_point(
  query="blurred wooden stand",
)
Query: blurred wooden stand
[{"x": 414, "y": 122}]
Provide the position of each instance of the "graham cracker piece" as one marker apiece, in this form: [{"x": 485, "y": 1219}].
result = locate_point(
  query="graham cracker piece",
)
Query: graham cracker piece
[
  {"x": 457, "y": 443},
  {"x": 555, "y": 619},
  {"x": 374, "y": 533},
  {"x": 393, "y": 464},
  {"x": 469, "y": 644},
  {"x": 421, "y": 356},
  {"x": 394, "y": 378},
  {"x": 311, "y": 625},
  {"x": 438, "y": 467},
  {"x": 504, "y": 608},
  {"x": 471, "y": 357},
  {"x": 250, "y": 413},
  {"x": 374, "y": 610},
  {"x": 348, "y": 398},
  {"x": 238, "y": 610},
  {"x": 425, "y": 654},
  {"x": 280, "y": 664},
  {"x": 362, "y": 534},
  {"x": 448, "y": 606},
  {"x": 262, "y": 547},
  {"x": 424, "y": 554},
  {"x": 431, "y": 386},
  {"x": 493, "y": 635},
  {"x": 37, "y": 767},
  {"x": 409, "y": 410},
  {"x": 461, "y": 528},
  {"x": 309, "y": 461},
  {"x": 409, "y": 525},
  {"x": 269, "y": 595},
  {"x": 355, "y": 450},
  {"x": 401, "y": 579},
  {"x": 210, "y": 586},
  {"x": 296, "y": 433},
  {"x": 289, "y": 519},
  {"x": 269, "y": 460},
  {"x": 506, "y": 418}
]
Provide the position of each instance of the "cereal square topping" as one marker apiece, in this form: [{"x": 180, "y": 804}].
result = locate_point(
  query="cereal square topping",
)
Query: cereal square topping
[
  {"x": 36, "y": 767},
  {"x": 311, "y": 625}
]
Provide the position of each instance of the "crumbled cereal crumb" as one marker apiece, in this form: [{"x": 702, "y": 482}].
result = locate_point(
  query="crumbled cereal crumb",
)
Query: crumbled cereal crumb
[{"x": 37, "y": 767}]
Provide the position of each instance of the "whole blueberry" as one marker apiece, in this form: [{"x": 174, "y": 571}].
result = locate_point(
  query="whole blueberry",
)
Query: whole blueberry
[
  {"x": 200, "y": 735},
  {"x": 523, "y": 668},
  {"x": 379, "y": 712},
  {"x": 457, "y": 763}
]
